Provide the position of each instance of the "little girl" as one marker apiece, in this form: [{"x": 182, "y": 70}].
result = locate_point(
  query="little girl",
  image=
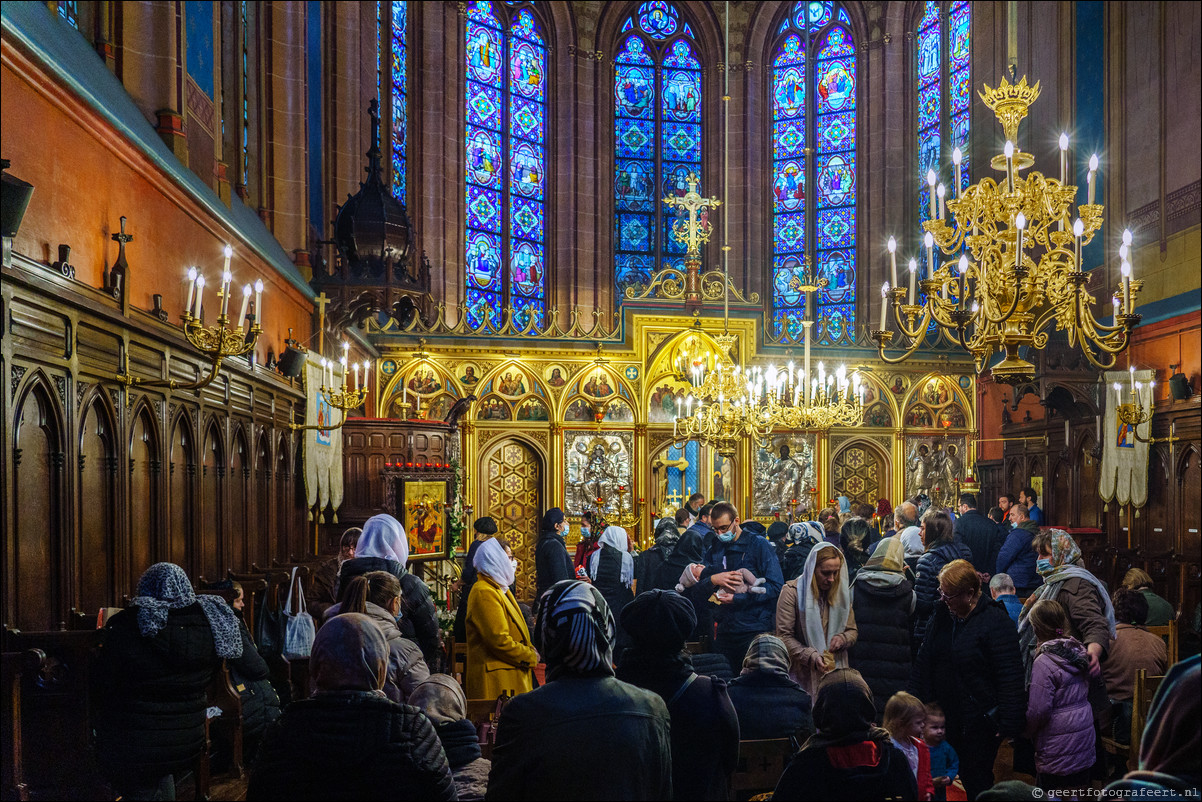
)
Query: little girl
[
  {"x": 1059, "y": 717},
  {"x": 905, "y": 719}
]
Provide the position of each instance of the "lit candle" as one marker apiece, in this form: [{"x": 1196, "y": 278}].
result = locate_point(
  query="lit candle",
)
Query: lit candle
[
  {"x": 1118, "y": 394},
  {"x": 245, "y": 303},
  {"x": 324, "y": 370},
  {"x": 805, "y": 336},
  {"x": 259, "y": 303},
  {"x": 191, "y": 290},
  {"x": 893, "y": 260},
  {"x": 963, "y": 267},
  {"x": 957, "y": 157},
  {"x": 1020, "y": 222},
  {"x": 884, "y": 304},
  {"x": 356, "y": 375},
  {"x": 1078, "y": 232},
  {"x": 1131, "y": 374},
  {"x": 932, "y": 179},
  {"x": 1093, "y": 171},
  {"x": 344, "y": 372},
  {"x": 929, "y": 241},
  {"x": 226, "y": 278},
  {"x": 1009, "y": 152},
  {"x": 1126, "y": 270},
  {"x": 1064, "y": 158},
  {"x": 942, "y": 193},
  {"x": 366, "y": 369},
  {"x": 913, "y": 279},
  {"x": 200, "y": 291}
]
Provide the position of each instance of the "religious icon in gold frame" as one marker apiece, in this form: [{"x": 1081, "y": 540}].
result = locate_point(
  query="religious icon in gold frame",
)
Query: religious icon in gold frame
[{"x": 424, "y": 514}]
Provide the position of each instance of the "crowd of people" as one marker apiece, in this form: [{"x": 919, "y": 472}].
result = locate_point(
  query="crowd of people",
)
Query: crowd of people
[{"x": 865, "y": 636}]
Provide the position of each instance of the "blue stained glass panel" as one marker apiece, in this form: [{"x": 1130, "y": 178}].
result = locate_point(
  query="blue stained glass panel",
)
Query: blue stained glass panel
[
  {"x": 836, "y": 132},
  {"x": 680, "y": 56},
  {"x": 676, "y": 179},
  {"x": 528, "y": 71},
  {"x": 789, "y": 92},
  {"x": 527, "y": 219},
  {"x": 482, "y": 307},
  {"x": 788, "y": 185},
  {"x": 928, "y": 54},
  {"x": 838, "y": 267},
  {"x": 928, "y": 153},
  {"x": 788, "y": 275},
  {"x": 788, "y": 139},
  {"x": 528, "y": 119},
  {"x": 836, "y": 228},
  {"x": 682, "y": 95},
  {"x": 635, "y": 138},
  {"x": 484, "y": 105},
  {"x": 836, "y": 324},
  {"x": 484, "y": 54},
  {"x": 632, "y": 269},
  {"x": 961, "y": 90},
  {"x": 928, "y": 106},
  {"x": 484, "y": 261},
  {"x": 658, "y": 19},
  {"x": 789, "y": 231},
  {"x": 484, "y": 157},
  {"x": 399, "y": 94},
  {"x": 837, "y": 180},
  {"x": 526, "y": 268},
  {"x": 526, "y": 308},
  {"x": 959, "y": 36},
  {"x": 484, "y": 208},
  {"x": 527, "y": 164},
  {"x": 836, "y": 84},
  {"x": 791, "y": 53},
  {"x": 682, "y": 141},
  {"x": 634, "y": 232},
  {"x": 634, "y": 90},
  {"x": 634, "y": 185}
]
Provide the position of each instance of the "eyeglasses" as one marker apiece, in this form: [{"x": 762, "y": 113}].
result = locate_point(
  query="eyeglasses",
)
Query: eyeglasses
[
  {"x": 943, "y": 597},
  {"x": 723, "y": 529}
]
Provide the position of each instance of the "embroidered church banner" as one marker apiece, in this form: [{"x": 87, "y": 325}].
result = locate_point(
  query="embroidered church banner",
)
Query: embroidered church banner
[
  {"x": 1124, "y": 458},
  {"x": 323, "y": 447}
]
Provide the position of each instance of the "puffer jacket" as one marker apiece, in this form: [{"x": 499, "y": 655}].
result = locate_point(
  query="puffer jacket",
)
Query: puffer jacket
[
  {"x": 973, "y": 669},
  {"x": 794, "y": 562},
  {"x": 151, "y": 718},
  {"x": 1059, "y": 716},
  {"x": 260, "y": 702},
  {"x": 418, "y": 620},
  {"x": 1017, "y": 557},
  {"x": 351, "y": 746},
  {"x": 883, "y": 604},
  {"x": 926, "y": 586},
  {"x": 406, "y": 667}
]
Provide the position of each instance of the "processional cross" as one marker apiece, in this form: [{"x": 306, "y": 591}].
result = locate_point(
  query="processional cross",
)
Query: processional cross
[{"x": 692, "y": 232}]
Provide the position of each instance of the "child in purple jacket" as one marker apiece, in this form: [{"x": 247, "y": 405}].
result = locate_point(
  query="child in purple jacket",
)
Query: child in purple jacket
[{"x": 1059, "y": 717}]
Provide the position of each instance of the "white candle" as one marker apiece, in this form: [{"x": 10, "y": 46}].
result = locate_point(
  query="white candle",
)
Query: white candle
[
  {"x": 1020, "y": 222},
  {"x": 1078, "y": 232},
  {"x": 932, "y": 179},
  {"x": 229, "y": 253},
  {"x": 366, "y": 370},
  {"x": 200, "y": 291},
  {"x": 893, "y": 260},
  {"x": 191, "y": 290},
  {"x": 356, "y": 366},
  {"x": 226, "y": 278},
  {"x": 324, "y": 371},
  {"x": 344, "y": 371},
  {"x": 1093, "y": 171},
  {"x": 942, "y": 193},
  {"x": 884, "y": 304},
  {"x": 913, "y": 279},
  {"x": 963, "y": 267},
  {"x": 1064, "y": 158},
  {"x": 1131, "y": 374},
  {"x": 259, "y": 303},
  {"x": 957, "y": 157},
  {"x": 929, "y": 242},
  {"x": 245, "y": 303},
  {"x": 1066, "y": 433},
  {"x": 1118, "y": 394},
  {"x": 1126, "y": 271},
  {"x": 1009, "y": 152}
]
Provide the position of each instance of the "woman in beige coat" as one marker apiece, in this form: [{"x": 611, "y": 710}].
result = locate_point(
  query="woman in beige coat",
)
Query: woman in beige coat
[{"x": 814, "y": 617}]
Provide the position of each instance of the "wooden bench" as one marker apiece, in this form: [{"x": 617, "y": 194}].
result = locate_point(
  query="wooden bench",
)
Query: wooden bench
[
  {"x": 761, "y": 763},
  {"x": 1169, "y": 634},
  {"x": 459, "y": 662},
  {"x": 485, "y": 713},
  {"x": 1141, "y": 702},
  {"x": 15, "y": 666}
]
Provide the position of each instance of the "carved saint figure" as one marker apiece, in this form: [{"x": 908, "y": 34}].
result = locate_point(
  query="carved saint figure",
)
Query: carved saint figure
[{"x": 919, "y": 470}]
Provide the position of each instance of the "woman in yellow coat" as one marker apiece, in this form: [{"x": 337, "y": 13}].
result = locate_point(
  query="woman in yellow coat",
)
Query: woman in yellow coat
[{"x": 499, "y": 651}]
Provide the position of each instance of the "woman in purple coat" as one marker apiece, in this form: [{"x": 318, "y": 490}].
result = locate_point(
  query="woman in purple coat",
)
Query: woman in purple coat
[{"x": 1059, "y": 716}]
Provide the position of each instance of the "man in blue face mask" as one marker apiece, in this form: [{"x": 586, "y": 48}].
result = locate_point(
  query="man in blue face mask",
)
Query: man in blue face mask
[
  {"x": 1017, "y": 557},
  {"x": 741, "y": 615}
]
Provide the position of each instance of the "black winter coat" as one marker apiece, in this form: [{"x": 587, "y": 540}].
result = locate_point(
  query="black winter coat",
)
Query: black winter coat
[
  {"x": 418, "y": 620},
  {"x": 926, "y": 587},
  {"x": 351, "y": 746},
  {"x": 151, "y": 717},
  {"x": 982, "y": 537},
  {"x": 552, "y": 563},
  {"x": 973, "y": 669},
  {"x": 882, "y": 651},
  {"x": 794, "y": 562},
  {"x": 260, "y": 703},
  {"x": 811, "y": 775},
  {"x": 771, "y": 706},
  {"x": 583, "y": 738},
  {"x": 647, "y": 569},
  {"x": 467, "y": 579}
]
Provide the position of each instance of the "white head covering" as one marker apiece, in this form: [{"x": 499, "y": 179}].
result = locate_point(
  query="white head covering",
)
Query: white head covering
[
  {"x": 837, "y": 616},
  {"x": 911, "y": 539},
  {"x": 616, "y": 537},
  {"x": 384, "y": 537},
  {"x": 491, "y": 559}
]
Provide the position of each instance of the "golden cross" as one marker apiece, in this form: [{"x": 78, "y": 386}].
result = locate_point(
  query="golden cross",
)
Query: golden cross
[
  {"x": 695, "y": 231},
  {"x": 321, "y": 301}
]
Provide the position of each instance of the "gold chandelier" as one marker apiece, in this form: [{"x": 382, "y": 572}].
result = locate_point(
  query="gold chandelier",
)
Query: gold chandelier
[{"x": 1019, "y": 268}]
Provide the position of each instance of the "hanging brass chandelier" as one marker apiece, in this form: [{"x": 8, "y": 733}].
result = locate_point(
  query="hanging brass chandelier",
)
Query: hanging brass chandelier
[{"x": 1015, "y": 267}]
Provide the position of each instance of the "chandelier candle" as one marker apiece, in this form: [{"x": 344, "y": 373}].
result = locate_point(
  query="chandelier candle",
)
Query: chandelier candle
[
  {"x": 1064, "y": 158},
  {"x": 259, "y": 302},
  {"x": 913, "y": 279},
  {"x": 942, "y": 193},
  {"x": 1020, "y": 222},
  {"x": 191, "y": 290},
  {"x": 1093, "y": 172},
  {"x": 200, "y": 291},
  {"x": 957, "y": 157},
  {"x": 1008, "y": 151},
  {"x": 893, "y": 260},
  {"x": 245, "y": 304},
  {"x": 884, "y": 305},
  {"x": 929, "y": 241},
  {"x": 932, "y": 179}
]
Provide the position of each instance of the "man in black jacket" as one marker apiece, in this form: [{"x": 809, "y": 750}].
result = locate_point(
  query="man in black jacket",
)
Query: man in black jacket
[
  {"x": 551, "y": 560},
  {"x": 980, "y": 534}
]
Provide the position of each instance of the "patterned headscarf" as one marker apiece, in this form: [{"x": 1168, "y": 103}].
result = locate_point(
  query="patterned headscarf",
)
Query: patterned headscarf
[
  {"x": 575, "y": 630},
  {"x": 1065, "y": 550},
  {"x": 884, "y": 509},
  {"x": 767, "y": 654},
  {"x": 383, "y": 537},
  {"x": 165, "y": 587}
]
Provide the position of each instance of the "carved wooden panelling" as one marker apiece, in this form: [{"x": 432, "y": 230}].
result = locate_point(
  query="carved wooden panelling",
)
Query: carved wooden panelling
[
  {"x": 98, "y": 349},
  {"x": 38, "y": 328}
]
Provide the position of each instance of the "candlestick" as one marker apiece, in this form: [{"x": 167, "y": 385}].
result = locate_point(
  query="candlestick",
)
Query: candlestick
[
  {"x": 931, "y": 180},
  {"x": 1093, "y": 171},
  {"x": 957, "y": 157},
  {"x": 942, "y": 193},
  {"x": 1020, "y": 222},
  {"x": 963, "y": 265},
  {"x": 245, "y": 303},
  {"x": 1009, "y": 151},
  {"x": 805, "y": 335},
  {"x": 1118, "y": 394},
  {"x": 1131, "y": 374},
  {"x": 1126, "y": 271},
  {"x": 259, "y": 302},
  {"x": 191, "y": 290},
  {"x": 366, "y": 369},
  {"x": 200, "y": 291},
  {"x": 226, "y": 278},
  {"x": 929, "y": 242},
  {"x": 1064, "y": 158},
  {"x": 913, "y": 279},
  {"x": 344, "y": 372},
  {"x": 1078, "y": 232},
  {"x": 356, "y": 376},
  {"x": 893, "y": 260},
  {"x": 884, "y": 304}
]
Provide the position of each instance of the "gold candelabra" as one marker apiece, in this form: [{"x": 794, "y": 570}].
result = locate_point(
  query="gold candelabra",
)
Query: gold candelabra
[
  {"x": 218, "y": 342},
  {"x": 1019, "y": 270},
  {"x": 1134, "y": 414},
  {"x": 349, "y": 396}
]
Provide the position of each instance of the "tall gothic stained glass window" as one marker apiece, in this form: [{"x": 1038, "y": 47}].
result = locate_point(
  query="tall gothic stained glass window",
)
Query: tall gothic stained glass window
[
  {"x": 944, "y": 81},
  {"x": 814, "y": 197},
  {"x": 657, "y": 138},
  {"x": 399, "y": 91},
  {"x": 505, "y": 138}
]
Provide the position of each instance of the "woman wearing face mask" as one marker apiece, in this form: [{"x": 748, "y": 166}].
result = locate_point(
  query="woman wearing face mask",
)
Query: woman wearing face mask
[
  {"x": 814, "y": 617},
  {"x": 499, "y": 651},
  {"x": 551, "y": 560}
]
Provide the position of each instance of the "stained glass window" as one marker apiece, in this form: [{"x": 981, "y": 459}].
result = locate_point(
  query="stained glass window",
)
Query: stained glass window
[
  {"x": 69, "y": 11},
  {"x": 399, "y": 86},
  {"x": 245, "y": 95},
  {"x": 505, "y": 137},
  {"x": 814, "y": 101},
  {"x": 657, "y": 138}
]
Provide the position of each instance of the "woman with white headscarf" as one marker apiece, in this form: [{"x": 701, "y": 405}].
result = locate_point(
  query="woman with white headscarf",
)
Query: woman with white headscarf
[
  {"x": 383, "y": 546},
  {"x": 814, "y": 617},
  {"x": 611, "y": 569},
  {"x": 500, "y": 654}
]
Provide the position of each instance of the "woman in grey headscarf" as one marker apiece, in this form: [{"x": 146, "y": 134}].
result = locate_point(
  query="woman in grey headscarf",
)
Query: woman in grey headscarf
[
  {"x": 350, "y": 741},
  {"x": 158, "y": 658},
  {"x": 444, "y": 703},
  {"x": 582, "y": 710},
  {"x": 769, "y": 702}
]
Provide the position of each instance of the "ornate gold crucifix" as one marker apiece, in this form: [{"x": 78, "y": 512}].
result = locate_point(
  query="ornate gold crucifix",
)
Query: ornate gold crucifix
[{"x": 692, "y": 232}]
